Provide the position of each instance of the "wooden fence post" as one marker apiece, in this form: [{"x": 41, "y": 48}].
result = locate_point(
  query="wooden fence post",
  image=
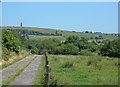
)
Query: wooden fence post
[{"x": 47, "y": 70}]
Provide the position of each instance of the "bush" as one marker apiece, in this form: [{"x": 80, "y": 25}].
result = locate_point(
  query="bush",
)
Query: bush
[
  {"x": 10, "y": 41},
  {"x": 92, "y": 46},
  {"x": 86, "y": 53},
  {"x": 49, "y": 45},
  {"x": 67, "y": 49},
  {"x": 72, "y": 39},
  {"x": 111, "y": 48},
  {"x": 5, "y": 54}
]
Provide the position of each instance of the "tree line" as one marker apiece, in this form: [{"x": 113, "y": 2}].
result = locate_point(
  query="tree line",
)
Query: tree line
[
  {"x": 29, "y": 32},
  {"x": 73, "y": 45}
]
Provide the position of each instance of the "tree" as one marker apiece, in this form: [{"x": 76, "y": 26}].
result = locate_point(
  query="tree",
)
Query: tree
[
  {"x": 10, "y": 41},
  {"x": 82, "y": 44},
  {"x": 72, "y": 39},
  {"x": 92, "y": 46},
  {"x": 49, "y": 45},
  {"x": 67, "y": 49},
  {"x": 111, "y": 48}
]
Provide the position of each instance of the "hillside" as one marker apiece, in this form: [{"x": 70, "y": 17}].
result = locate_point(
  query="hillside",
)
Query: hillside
[
  {"x": 99, "y": 38},
  {"x": 45, "y": 30}
]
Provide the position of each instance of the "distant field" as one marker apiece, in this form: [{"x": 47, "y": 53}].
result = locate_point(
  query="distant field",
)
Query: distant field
[
  {"x": 46, "y": 37},
  {"x": 83, "y": 70},
  {"x": 67, "y": 33},
  {"x": 89, "y": 35}
]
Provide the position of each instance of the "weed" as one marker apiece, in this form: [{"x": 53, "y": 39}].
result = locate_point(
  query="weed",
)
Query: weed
[{"x": 116, "y": 62}]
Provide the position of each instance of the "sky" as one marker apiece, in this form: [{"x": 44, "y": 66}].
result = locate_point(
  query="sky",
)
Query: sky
[{"x": 71, "y": 16}]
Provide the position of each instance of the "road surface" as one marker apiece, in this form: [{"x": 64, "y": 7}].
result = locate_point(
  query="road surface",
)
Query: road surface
[
  {"x": 26, "y": 77},
  {"x": 6, "y": 71}
]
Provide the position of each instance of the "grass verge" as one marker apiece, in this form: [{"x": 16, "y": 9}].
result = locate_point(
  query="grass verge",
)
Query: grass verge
[
  {"x": 14, "y": 61},
  {"x": 11, "y": 77},
  {"x": 40, "y": 74}
]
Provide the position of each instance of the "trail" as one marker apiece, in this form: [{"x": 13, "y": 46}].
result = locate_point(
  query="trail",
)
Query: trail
[
  {"x": 26, "y": 77},
  {"x": 6, "y": 71}
]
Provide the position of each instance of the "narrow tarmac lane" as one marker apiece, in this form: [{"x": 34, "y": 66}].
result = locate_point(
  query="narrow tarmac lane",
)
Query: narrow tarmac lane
[
  {"x": 6, "y": 71},
  {"x": 26, "y": 77}
]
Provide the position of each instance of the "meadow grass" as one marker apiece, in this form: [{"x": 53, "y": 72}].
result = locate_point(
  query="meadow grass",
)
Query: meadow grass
[
  {"x": 46, "y": 37},
  {"x": 40, "y": 74},
  {"x": 11, "y": 77},
  {"x": 83, "y": 70}
]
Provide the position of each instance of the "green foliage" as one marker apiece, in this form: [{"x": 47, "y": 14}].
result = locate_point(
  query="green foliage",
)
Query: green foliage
[
  {"x": 72, "y": 39},
  {"x": 65, "y": 49},
  {"x": 10, "y": 41},
  {"x": 92, "y": 46},
  {"x": 86, "y": 53},
  {"x": 73, "y": 44},
  {"x": 49, "y": 45},
  {"x": 111, "y": 48},
  {"x": 82, "y": 44},
  {"x": 5, "y": 54}
]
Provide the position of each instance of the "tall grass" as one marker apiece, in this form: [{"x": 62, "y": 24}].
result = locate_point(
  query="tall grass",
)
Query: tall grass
[
  {"x": 94, "y": 62},
  {"x": 82, "y": 70}
]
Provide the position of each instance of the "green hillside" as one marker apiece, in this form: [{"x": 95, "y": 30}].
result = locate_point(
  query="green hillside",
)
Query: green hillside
[
  {"x": 45, "y": 33},
  {"x": 67, "y": 33}
]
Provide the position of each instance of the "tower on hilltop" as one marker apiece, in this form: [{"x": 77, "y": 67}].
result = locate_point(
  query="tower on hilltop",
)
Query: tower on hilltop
[{"x": 21, "y": 24}]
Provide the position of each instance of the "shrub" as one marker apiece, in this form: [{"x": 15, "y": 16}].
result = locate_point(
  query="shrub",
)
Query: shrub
[
  {"x": 111, "y": 48},
  {"x": 86, "y": 53},
  {"x": 92, "y": 46},
  {"x": 10, "y": 41},
  {"x": 67, "y": 49},
  {"x": 5, "y": 54}
]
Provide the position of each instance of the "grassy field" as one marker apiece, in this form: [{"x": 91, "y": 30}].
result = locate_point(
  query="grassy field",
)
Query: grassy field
[
  {"x": 89, "y": 35},
  {"x": 46, "y": 37},
  {"x": 83, "y": 70}
]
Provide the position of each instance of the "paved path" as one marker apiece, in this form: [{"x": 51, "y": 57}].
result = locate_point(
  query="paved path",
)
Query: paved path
[
  {"x": 13, "y": 67},
  {"x": 26, "y": 77}
]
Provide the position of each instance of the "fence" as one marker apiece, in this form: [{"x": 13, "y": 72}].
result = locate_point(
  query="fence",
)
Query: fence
[{"x": 47, "y": 70}]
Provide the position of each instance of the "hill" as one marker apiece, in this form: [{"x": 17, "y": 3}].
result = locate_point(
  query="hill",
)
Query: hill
[{"x": 97, "y": 37}]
